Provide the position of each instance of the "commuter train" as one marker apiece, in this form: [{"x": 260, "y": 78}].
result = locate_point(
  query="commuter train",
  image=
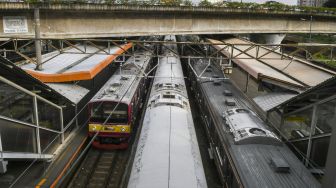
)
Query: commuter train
[
  {"x": 167, "y": 153},
  {"x": 113, "y": 110},
  {"x": 245, "y": 151}
]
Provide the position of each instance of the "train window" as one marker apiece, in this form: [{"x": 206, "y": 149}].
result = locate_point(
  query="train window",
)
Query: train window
[
  {"x": 100, "y": 112},
  {"x": 165, "y": 96}
]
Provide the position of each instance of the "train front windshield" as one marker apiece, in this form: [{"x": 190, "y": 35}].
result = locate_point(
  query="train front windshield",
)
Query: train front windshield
[{"x": 101, "y": 111}]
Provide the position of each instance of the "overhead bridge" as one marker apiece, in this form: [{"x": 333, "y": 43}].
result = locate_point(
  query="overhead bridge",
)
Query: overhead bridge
[{"x": 101, "y": 20}]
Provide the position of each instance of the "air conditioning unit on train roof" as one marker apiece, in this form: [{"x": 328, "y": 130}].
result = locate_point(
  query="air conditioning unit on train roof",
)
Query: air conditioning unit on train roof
[
  {"x": 279, "y": 164},
  {"x": 114, "y": 87}
]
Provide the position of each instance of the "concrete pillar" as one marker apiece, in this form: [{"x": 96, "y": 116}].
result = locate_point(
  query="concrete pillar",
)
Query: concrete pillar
[
  {"x": 267, "y": 38},
  {"x": 3, "y": 166},
  {"x": 3, "y": 163},
  {"x": 329, "y": 180},
  {"x": 37, "y": 39}
]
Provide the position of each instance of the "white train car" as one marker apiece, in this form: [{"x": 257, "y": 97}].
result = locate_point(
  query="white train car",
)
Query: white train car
[{"x": 167, "y": 153}]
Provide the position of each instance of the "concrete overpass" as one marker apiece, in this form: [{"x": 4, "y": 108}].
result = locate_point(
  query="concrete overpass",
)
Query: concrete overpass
[{"x": 97, "y": 20}]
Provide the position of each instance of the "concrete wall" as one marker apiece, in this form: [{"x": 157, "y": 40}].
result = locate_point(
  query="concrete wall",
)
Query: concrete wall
[{"x": 78, "y": 21}]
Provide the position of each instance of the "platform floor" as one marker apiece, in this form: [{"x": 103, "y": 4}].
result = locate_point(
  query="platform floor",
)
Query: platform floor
[{"x": 44, "y": 174}]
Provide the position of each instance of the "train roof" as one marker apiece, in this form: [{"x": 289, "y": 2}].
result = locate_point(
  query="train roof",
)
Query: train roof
[
  {"x": 165, "y": 148},
  {"x": 167, "y": 152},
  {"x": 258, "y": 164},
  {"x": 169, "y": 75},
  {"x": 121, "y": 85}
]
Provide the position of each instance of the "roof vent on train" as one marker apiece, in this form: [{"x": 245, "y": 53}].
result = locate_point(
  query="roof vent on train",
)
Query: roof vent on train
[
  {"x": 114, "y": 87},
  {"x": 237, "y": 110},
  {"x": 217, "y": 82},
  {"x": 227, "y": 93},
  {"x": 279, "y": 165},
  {"x": 124, "y": 78},
  {"x": 230, "y": 102}
]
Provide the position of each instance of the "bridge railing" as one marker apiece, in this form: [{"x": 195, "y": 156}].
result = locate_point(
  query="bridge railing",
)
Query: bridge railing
[{"x": 204, "y": 3}]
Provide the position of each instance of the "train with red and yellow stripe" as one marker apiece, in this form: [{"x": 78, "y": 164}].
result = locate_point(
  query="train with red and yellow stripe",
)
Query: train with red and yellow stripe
[{"x": 113, "y": 110}]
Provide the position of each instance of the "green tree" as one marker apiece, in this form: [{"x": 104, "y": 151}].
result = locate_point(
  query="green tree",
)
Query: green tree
[
  {"x": 204, "y": 3},
  {"x": 187, "y": 3},
  {"x": 171, "y": 2}
]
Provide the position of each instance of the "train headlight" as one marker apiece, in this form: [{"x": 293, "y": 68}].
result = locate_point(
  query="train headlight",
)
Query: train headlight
[{"x": 123, "y": 129}]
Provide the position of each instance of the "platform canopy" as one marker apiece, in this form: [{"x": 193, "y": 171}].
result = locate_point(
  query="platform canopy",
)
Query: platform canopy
[
  {"x": 20, "y": 77},
  {"x": 315, "y": 94},
  {"x": 78, "y": 62},
  {"x": 271, "y": 100},
  {"x": 271, "y": 66},
  {"x": 73, "y": 92}
]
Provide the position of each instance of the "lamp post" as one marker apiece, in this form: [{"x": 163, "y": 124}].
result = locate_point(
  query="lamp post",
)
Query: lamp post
[{"x": 310, "y": 28}]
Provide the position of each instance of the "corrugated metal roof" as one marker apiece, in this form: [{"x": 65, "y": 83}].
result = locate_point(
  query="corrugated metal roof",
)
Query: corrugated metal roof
[
  {"x": 327, "y": 83},
  {"x": 296, "y": 72},
  {"x": 72, "y": 92},
  {"x": 271, "y": 100},
  {"x": 15, "y": 74},
  {"x": 76, "y": 63},
  {"x": 66, "y": 59},
  {"x": 304, "y": 71}
]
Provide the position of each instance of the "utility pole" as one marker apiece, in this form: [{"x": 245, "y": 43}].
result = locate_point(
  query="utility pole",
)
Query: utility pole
[{"x": 37, "y": 39}]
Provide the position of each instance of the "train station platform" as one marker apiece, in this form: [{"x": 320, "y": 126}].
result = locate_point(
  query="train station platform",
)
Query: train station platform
[
  {"x": 36, "y": 120},
  {"x": 43, "y": 173},
  {"x": 41, "y": 112},
  {"x": 79, "y": 62}
]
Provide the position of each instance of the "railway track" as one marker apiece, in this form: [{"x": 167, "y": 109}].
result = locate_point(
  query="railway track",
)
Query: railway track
[
  {"x": 101, "y": 169},
  {"x": 108, "y": 169}
]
